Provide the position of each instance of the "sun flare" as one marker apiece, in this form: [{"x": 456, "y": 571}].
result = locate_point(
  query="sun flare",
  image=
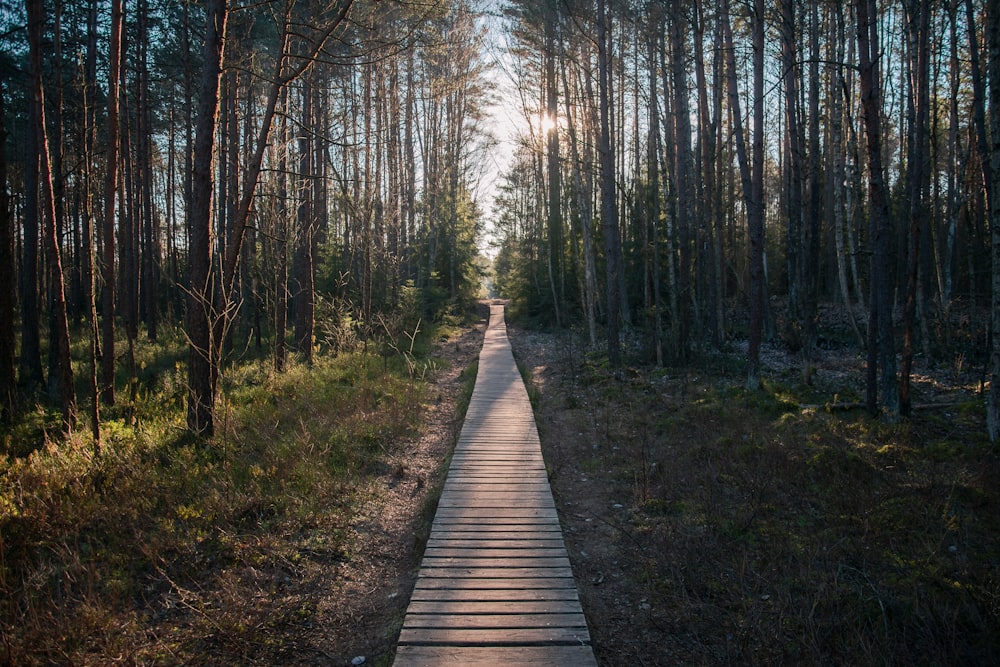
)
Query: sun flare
[{"x": 547, "y": 123}]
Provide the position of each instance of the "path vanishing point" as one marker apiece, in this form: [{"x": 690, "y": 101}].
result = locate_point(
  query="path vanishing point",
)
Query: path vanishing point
[{"x": 495, "y": 585}]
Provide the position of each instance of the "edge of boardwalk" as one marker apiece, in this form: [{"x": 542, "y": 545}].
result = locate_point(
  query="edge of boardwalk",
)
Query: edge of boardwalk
[{"x": 495, "y": 584}]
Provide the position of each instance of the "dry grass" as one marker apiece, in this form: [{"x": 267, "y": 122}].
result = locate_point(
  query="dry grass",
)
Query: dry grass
[
  {"x": 711, "y": 525},
  {"x": 168, "y": 551}
]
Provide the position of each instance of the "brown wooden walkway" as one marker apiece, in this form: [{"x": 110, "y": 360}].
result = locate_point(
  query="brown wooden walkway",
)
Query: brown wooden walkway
[{"x": 495, "y": 585}]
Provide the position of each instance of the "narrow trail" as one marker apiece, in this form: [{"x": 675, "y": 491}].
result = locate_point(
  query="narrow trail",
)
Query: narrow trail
[{"x": 495, "y": 584}]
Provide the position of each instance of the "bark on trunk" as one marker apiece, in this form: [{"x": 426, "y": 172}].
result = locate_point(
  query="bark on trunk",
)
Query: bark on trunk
[
  {"x": 201, "y": 309},
  {"x": 110, "y": 186},
  {"x": 881, "y": 298},
  {"x": 8, "y": 378},
  {"x": 609, "y": 207},
  {"x": 993, "y": 30},
  {"x": 60, "y": 324}
]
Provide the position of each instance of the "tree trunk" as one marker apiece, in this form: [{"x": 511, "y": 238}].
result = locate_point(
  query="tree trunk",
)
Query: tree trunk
[
  {"x": 918, "y": 27},
  {"x": 554, "y": 169},
  {"x": 585, "y": 206},
  {"x": 110, "y": 185},
  {"x": 302, "y": 267},
  {"x": 881, "y": 298},
  {"x": 978, "y": 95},
  {"x": 31, "y": 347},
  {"x": 609, "y": 207},
  {"x": 89, "y": 86},
  {"x": 793, "y": 175},
  {"x": 8, "y": 377},
  {"x": 684, "y": 175},
  {"x": 993, "y": 402},
  {"x": 60, "y": 331},
  {"x": 150, "y": 255},
  {"x": 755, "y": 218},
  {"x": 201, "y": 312},
  {"x": 281, "y": 241}
]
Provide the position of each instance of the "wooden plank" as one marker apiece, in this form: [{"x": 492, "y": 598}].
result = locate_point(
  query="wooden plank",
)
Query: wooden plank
[
  {"x": 496, "y": 515},
  {"x": 489, "y": 531},
  {"x": 497, "y": 595},
  {"x": 519, "y": 584},
  {"x": 495, "y": 552},
  {"x": 475, "y": 562},
  {"x": 498, "y": 637},
  {"x": 460, "y": 607},
  {"x": 525, "y": 481},
  {"x": 494, "y": 501},
  {"x": 488, "y": 543},
  {"x": 494, "y": 621},
  {"x": 485, "y": 572},
  {"x": 480, "y": 656}
]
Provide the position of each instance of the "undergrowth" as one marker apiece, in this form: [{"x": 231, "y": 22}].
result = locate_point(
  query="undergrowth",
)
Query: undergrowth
[
  {"x": 759, "y": 531},
  {"x": 165, "y": 549}
]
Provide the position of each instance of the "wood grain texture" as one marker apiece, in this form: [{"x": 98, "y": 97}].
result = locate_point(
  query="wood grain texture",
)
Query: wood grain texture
[{"x": 495, "y": 584}]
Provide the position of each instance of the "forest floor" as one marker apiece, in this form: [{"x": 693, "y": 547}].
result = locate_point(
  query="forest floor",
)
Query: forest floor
[
  {"x": 709, "y": 525},
  {"x": 705, "y": 524}
]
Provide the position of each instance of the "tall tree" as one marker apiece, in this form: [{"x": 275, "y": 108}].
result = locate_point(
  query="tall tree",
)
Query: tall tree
[
  {"x": 881, "y": 342},
  {"x": 553, "y": 167},
  {"x": 201, "y": 307},
  {"x": 918, "y": 30},
  {"x": 303, "y": 265},
  {"x": 609, "y": 206},
  {"x": 110, "y": 197},
  {"x": 993, "y": 32},
  {"x": 683, "y": 175},
  {"x": 60, "y": 324},
  {"x": 8, "y": 377}
]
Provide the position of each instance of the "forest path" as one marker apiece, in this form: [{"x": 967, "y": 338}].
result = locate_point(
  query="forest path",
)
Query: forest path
[{"x": 495, "y": 584}]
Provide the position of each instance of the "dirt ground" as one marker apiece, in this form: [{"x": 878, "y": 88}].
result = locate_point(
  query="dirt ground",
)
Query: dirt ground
[
  {"x": 702, "y": 551},
  {"x": 362, "y": 612}
]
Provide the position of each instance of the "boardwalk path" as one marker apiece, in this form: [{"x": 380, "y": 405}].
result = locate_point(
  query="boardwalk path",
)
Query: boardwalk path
[{"x": 495, "y": 585}]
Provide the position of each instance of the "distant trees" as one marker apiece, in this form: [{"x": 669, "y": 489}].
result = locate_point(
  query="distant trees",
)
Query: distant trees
[
  {"x": 694, "y": 175},
  {"x": 321, "y": 167},
  {"x": 759, "y": 155}
]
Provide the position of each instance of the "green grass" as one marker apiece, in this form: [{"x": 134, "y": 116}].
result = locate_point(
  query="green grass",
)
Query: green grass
[{"x": 162, "y": 547}]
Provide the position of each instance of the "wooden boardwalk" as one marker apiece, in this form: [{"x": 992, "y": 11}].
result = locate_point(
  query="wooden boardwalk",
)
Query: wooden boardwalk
[{"x": 495, "y": 585}]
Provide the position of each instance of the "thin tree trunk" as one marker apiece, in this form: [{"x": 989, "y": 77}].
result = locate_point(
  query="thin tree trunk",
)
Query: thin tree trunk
[
  {"x": 609, "y": 207},
  {"x": 684, "y": 175},
  {"x": 8, "y": 377},
  {"x": 755, "y": 219},
  {"x": 89, "y": 81},
  {"x": 978, "y": 95},
  {"x": 554, "y": 170},
  {"x": 918, "y": 23},
  {"x": 793, "y": 177},
  {"x": 110, "y": 185},
  {"x": 584, "y": 198},
  {"x": 652, "y": 213},
  {"x": 30, "y": 364},
  {"x": 993, "y": 402},
  {"x": 812, "y": 268},
  {"x": 201, "y": 312},
  {"x": 281, "y": 242},
  {"x": 302, "y": 267},
  {"x": 60, "y": 332},
  {"x": 881, "y": 299}
]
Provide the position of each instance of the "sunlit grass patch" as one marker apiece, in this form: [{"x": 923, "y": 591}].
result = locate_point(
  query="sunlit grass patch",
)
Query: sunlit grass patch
[{"x": 195, "y": 541}]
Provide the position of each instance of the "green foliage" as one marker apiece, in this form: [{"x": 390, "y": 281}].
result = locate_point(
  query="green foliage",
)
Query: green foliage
[{"x": 161, "y": 523}]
